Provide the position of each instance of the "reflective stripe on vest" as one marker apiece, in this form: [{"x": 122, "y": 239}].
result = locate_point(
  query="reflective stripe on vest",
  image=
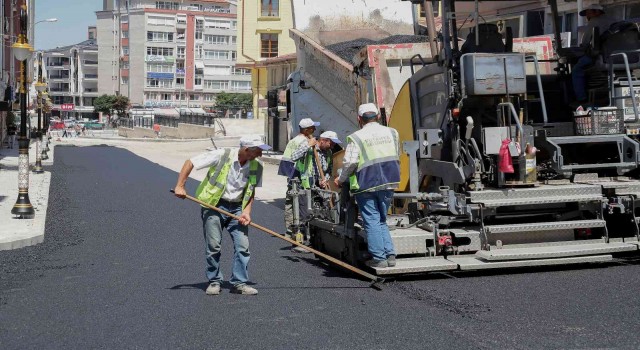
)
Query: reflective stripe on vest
[
  {"x": 378, "y": 163},
  {"x": 212, "y": 187}
]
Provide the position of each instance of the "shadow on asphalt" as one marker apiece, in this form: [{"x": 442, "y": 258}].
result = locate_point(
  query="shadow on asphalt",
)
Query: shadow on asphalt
[{"x": 203, "y": 285}]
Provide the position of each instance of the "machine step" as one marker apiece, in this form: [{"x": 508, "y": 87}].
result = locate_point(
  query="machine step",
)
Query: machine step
[
  {"x": 545, "y": 226},
  {"x": 544, "y": 194},
  {"x": 416, "y": 265},
  {"x": 473, "y": 263},
  {"x": 555, "y": 251}
]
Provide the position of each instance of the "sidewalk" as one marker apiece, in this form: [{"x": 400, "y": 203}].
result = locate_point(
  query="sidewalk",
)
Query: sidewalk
[{"x": 18, "y": 233}]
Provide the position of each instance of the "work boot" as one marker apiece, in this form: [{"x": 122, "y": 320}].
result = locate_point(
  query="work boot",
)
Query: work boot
[
  {"x": 377, "y": 263},
  {"x": 391, "y": 260},
  {"x": 213, "y": 289},
  {"x": 244, "y": 290}
]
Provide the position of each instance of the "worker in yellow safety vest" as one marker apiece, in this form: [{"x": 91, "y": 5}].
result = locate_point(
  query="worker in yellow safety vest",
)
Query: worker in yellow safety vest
[
  {"x": 297, "y": 163},
  {"x": 372, "y": 166},
  {"x": 229, "y": 185}
]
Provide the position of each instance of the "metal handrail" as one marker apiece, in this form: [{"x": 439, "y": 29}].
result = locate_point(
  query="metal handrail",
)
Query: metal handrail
[
  {"x": 540, "y": 89},
  {"x": 629, "y": 79}
]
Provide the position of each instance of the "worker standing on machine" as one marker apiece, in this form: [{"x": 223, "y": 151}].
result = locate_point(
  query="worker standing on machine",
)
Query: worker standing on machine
[
  {"x": 322, "y": 156},
  {"x": 229, "y": 185},
  {"x": 372, "y": 165},
  {"x": 296, "y": 164}
]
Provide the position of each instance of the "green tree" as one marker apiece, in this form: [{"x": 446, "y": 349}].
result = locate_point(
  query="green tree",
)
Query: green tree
[
  {"x": 121, "y": 105},
  {"x": 226, "y": 101},
  {"x": 104, "y": 104}
]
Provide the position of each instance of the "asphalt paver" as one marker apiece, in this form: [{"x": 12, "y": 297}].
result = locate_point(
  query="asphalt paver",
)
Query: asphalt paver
[{"x": 122, "y": 266}]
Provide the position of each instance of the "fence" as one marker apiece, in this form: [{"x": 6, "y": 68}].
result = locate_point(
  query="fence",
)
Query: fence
[{"x": 206, "y": 120}]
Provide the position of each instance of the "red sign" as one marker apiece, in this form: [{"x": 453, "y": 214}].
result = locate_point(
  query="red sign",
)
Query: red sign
[{"x": 67, "y": 107}]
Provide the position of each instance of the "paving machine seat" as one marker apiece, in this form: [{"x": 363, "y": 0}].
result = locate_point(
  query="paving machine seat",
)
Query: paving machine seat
[{"x": 489, "y": 40}]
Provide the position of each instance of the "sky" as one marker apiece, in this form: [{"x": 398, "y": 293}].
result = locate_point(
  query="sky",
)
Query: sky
[{"x": 74, "y": 16}]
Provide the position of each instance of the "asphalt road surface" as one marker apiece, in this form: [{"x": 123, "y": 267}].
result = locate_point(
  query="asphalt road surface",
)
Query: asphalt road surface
[{"x": 122, "y": 266}]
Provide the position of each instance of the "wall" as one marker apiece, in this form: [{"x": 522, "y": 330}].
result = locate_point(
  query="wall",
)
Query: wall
[
  {"x": 234, "y": 127},
  {"x": 106, "y": 68}
]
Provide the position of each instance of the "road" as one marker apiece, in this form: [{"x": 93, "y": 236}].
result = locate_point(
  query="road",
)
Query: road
[{"x": 122, "y": 266}]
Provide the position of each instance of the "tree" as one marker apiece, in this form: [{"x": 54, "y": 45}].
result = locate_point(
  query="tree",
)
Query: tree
[
  {"x": 110, "y": 104},
  {"x": 226, "y": 101},
  {"x": 104, "y": 104}
]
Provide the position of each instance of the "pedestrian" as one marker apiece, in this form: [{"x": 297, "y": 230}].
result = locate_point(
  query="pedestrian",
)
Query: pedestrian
[
  {"x": 596, "y": 18},
  {"x": 229, "y": 185},
  {"x": 12, "y": 131},
  {"x": 371, "y": 164},
  {"x": 296, "y": 164},
  {"x": 322, "y": 164}
]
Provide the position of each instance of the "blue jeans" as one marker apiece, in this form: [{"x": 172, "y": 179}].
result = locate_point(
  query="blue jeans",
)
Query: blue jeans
[
  {"x": 212, "y": 225},
  {"x": 579, "y": 78},
  {"x": 373, "y": 209}
]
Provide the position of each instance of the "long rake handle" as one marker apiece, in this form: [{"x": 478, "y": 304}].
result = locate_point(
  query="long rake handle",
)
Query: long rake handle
[{"x": 374, "y": 279}]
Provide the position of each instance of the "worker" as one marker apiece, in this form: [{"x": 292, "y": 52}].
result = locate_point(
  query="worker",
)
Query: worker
[
  {"x": 371, "y": 163},
  {"x": 596, "y": 18},
  {"x": 322, "y": 165},
  {"x": 229, "y": 185},
  {"x": 296, "y": 163}
]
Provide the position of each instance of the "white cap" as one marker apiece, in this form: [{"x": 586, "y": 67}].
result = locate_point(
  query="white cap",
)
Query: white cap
[
  {"x": 591, "y": 7},
  {"x": 367, "y": 108},
  {"x": 331, "y": 136},
  {"x": 253, "y": 141},
  {"x": 307, "y": 123}
]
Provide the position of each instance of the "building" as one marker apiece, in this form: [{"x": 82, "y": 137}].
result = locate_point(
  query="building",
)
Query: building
[
  {"x": 263, "y": 33},
  {"x": 169, "y": 53},
  {"x": 72, "y": 74}
]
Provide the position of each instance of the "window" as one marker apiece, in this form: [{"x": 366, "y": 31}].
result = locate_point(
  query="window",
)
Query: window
[
  {"x": 241, "y": 71},
  {"x": 152, "y": 95},
  {"x": 162, "y": 37},
  {"x": 159, "y": 68},
  {"x": 216, "y": 39},
  {"x": 181, "y": 52},
  {"x": 216, "y": 55},
  {"x": 199, "y": 28},
  {"x": 269, "y": 8},
  {"x": 216, "y": 84},
  {"x": 125, "y": 50},
  {"x": 210, "y": 23},
  {"x": 179, "y": 82},
  {"x": 165, "y": 97},
  {"x": 198, "y": 81},
  {"x": 268, "y": 45},
  {"x": 198, "y": 50},
  {"x": 167, "y": 5},
  {"x": 161, "y": 21},
  {"x": 208, "y": 97},
  {"x": 159, "y": 51},
  {"x": 125, "y": 34},
  {"x": 240, "y": 85},
  {"x": 180, "y": 97},
  {"x": 197, "y": 7},
  {"x": 233, "y": 40},
  {"x": 125, "y": 80},
  {"x": 162, "y": 83},
  {"x": 124, "y": 64}
]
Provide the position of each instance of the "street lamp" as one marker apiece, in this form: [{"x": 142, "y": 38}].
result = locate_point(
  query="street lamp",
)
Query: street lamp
[
  {"x": 22, "y": 50},
  {"x": 40, "y": 87}
]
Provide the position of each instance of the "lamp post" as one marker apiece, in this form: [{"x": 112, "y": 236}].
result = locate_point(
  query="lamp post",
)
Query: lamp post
[
  {"x": 45, "y": 124},
  {"x": 22, "y": 50},
  {"x": 40, "y": 87}
]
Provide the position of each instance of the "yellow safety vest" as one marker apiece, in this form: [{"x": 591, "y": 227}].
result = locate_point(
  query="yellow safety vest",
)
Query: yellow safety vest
[
  {"x": 212, "y": 187},
  {"x": 378, "y": 162},
  {"x": 301, "y": 168}
]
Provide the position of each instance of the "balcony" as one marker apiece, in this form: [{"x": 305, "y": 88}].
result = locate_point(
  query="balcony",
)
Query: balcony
[
  {"x": 91, "y": 76},
  {"x": 58, "y": 77},
  {"x": 180, "y": 71}
]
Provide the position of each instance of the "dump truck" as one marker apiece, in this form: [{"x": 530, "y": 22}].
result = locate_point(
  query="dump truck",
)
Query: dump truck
[{"x": 497, "y": 171}]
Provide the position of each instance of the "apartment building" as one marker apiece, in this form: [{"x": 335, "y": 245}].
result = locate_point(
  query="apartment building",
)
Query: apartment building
[
  {"x": 263, "y": 33},
  {"x": 72, "y": 74},
  {"x": 169, "y": 53}
]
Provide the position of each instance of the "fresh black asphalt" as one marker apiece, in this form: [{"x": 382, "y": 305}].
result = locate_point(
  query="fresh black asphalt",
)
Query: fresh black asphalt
[{"x": 122, "y": 266}]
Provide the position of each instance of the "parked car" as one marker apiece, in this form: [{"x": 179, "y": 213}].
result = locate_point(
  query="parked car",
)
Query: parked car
[{"x": 94, "y": 126}]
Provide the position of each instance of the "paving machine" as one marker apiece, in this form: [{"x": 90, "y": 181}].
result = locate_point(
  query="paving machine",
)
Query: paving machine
[{"x": 497, "y": 170}]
